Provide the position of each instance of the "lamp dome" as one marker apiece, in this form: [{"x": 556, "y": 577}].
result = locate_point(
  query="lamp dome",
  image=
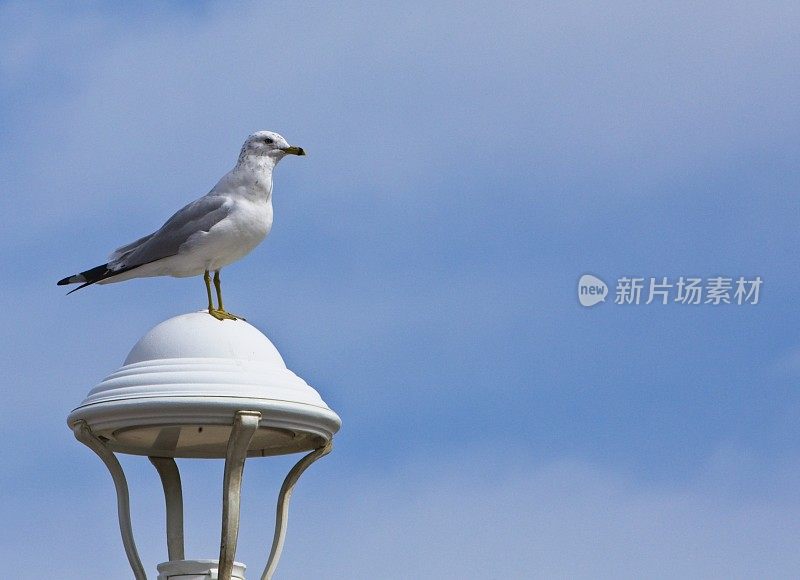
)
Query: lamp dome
[{"x": 182, "y": 383}]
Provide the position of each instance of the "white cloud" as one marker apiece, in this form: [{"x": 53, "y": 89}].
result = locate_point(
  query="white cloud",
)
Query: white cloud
[
  {"x": 413, "y": 116},
  {"x": 467, "y": 519},
  {"x": 478, "y": 513},
  {"x": 385, "y": 101}
]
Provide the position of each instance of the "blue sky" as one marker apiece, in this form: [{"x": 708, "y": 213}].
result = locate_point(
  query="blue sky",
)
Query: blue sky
[{"x": 468, "y": 162}]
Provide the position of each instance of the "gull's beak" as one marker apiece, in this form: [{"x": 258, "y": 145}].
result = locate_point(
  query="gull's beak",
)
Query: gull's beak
[{"x": 294, "y": 150}]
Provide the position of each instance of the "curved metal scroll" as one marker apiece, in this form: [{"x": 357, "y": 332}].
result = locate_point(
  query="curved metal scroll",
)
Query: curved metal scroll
[
  {"x": 84, "y": 434},
  {"x": 282, "y": 513},
  {"x": 244, "y": 427},
  {"x": 173, "y": 496}
]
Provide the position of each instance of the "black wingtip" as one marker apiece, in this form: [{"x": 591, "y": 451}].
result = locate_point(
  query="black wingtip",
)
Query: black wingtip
[
  {"x": 89, "y": 277},
  {"x": 84, "y": 285}
]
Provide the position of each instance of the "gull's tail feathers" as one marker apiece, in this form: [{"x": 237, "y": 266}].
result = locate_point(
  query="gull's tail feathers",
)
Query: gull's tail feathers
[{"x": 91, "y": 276}]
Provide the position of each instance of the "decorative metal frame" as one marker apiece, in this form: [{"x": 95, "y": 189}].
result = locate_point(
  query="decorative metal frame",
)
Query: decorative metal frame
[{"x": 245, "y": 425}]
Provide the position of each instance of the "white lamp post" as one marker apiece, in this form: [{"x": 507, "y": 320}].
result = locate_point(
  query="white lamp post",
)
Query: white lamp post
[{"x": 198, "y": 387}]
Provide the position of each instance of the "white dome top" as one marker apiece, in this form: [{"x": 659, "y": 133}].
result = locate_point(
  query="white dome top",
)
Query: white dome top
[
  {"x": 182, "y": 383},
  {"x": 198, "y": 335}
]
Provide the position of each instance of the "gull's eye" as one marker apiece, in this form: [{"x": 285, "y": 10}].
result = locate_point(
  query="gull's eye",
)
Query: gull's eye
[{"x": 269, "y": 141}]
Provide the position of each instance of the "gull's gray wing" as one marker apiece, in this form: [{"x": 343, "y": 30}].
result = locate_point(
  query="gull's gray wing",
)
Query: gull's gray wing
[
  {"x": 199, "y": 216},
  {"x": 128, "y": 248}
]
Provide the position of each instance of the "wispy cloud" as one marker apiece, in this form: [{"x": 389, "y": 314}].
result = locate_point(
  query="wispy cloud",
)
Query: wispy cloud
[
  {"x": 467, "y": 162},
  {"x": 465, "y": 519}
]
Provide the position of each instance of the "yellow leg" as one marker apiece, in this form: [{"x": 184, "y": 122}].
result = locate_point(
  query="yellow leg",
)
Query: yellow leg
[
  {"x": 218, "y": 287},
  {"x": 207, "y": 280},
  {"x": 219, "y": 313}
]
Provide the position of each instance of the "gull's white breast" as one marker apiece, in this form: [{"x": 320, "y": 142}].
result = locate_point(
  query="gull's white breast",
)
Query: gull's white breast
[{"x": 230, "y": 239}]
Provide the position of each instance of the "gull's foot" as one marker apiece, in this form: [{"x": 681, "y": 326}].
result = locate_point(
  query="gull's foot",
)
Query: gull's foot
[{"x": 223, "y": 315}]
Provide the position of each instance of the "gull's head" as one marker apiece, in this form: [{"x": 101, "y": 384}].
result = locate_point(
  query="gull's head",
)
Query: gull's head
[{"x": 270, "y": 145}]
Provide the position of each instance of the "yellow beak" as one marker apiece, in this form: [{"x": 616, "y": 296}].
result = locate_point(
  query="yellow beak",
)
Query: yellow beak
[{"x": 294, "y": 150}]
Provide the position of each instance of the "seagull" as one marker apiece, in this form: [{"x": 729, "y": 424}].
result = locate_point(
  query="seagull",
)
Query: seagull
[{"x": 209, "y": 233}]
